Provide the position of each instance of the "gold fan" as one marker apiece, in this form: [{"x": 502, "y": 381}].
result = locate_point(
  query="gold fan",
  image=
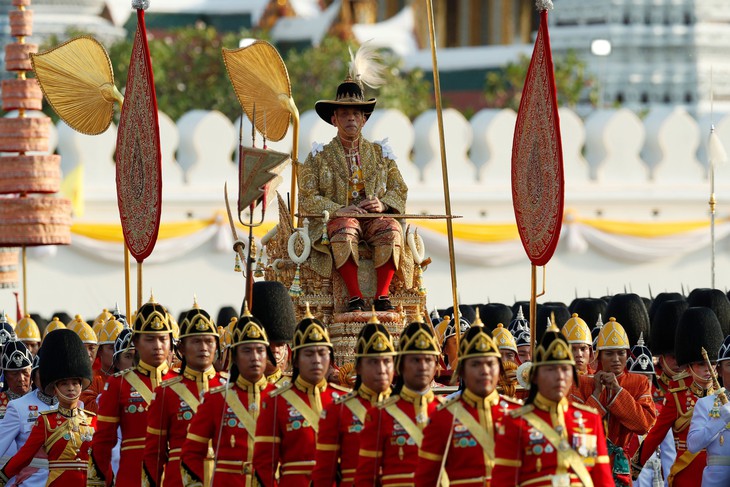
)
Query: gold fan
[
  {"x": 77, "y": 79},
  {"x": 260, "y": 78},
  {"x": 261, "y": 83}
]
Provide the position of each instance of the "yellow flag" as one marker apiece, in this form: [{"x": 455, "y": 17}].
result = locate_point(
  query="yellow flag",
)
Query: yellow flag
[{"x": 72, "y": 188}]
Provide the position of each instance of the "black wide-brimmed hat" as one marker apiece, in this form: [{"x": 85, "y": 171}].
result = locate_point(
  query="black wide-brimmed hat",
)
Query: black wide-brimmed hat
[
  {"x": 63, "y": 356},
  {"x": 349, "y": 94},
  {"x": 698, "y": 328}
]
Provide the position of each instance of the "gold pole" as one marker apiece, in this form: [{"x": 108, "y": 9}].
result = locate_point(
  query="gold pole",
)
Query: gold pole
[
  {"x": 533, "y": 310},
  {"x": 289, "y": 101},
  {"x": 25, "y": 281},
  {"x": 139, "y": 285},
  {"x": 127, "y": 291},
  {"x": 444, "y": 167}
]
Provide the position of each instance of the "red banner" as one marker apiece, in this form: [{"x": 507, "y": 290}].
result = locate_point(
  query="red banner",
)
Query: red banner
[
  {"x": 537, "y": 156},
  {"x": 139, "y": 162}
]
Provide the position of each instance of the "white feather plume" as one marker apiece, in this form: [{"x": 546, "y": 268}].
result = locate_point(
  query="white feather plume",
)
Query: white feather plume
[{"x": 365, "y": 67}]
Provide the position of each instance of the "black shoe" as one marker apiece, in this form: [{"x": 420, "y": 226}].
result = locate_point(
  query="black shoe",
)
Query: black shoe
[
  {"x": 383, "y": 304},
  {"x": 356, "y": 304}
]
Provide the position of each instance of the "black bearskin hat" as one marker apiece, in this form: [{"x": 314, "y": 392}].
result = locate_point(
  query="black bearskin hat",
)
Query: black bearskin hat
[
  {"x": 698, "y": 327},
  {"x": 589, "y": 309},
  {"x": 544, "y": 315},
  {"x": 225, "y": 314},
  {"x": 494, "y": 313},
  {"x": 63, "y": 356},
  {"x": 629, "y": 310},
  {"x": 658, "y": 300},
  {"x": 465, "y": 311},
  {"x": 664, "y": 325},
  {"x": 717, "y": 301},
  {"x": 273, "y": 306}
]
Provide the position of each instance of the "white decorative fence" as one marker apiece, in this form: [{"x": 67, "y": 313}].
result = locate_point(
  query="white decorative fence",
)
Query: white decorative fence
[{"x": 636, "y": 206}]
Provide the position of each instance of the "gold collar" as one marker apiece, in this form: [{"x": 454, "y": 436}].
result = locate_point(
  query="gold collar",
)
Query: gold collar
[
  {"x": 492, "y": 399},
  {"x": 154, "y": 373},
  {"x": 308, "y": 388},
  {"x": 201, "y": 378},
  {"x": 552, "y": 407},
  {"x": 371, "y": 396},
  {"x": 700, "y": 391},
  {"x": 245, "y": 385},
  {"x": 416, "y": 398},
  {"x": 69, "y": 413},
  {"x": 274, "y": 378}
]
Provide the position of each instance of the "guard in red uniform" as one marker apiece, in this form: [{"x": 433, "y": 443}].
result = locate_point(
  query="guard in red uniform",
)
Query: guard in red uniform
[
  {"x": 226, "y": 419},
  {"x": 15, "y": 363},
  {"x": 551, "y": 441},
  {"x": 127, "y": 395},
  {"x": 65, "y": 434},
  {"x": 289, "y": 421},
  {"x": 462, "y": 432},
  {"x": 622, "y": 398},
  {"x": 338, "y": 440},
  {"x": 698, "y": 327},
  {"x": 393, "y": 430},
  {"x": 176, "y": 400}
]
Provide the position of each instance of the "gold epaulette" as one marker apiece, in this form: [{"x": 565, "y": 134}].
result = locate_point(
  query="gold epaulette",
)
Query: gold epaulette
[
  {"x": 122, "y": 372},
  {"x": 518, "y": 413},
  {"x": 219, "y": 389},
  {"x": 88, "y": 413},
  {"x": 281, "y": 389},
  {"x": 346, "y": 397},
  {"x": 447, "y": 402},
  {"x": 678, "y": 389},
  {"x": 224, "y": 375},
  {"x": 511, "y": 400},
  {"x": 169, "y": 382},
  {"x": 584, "y": 407},
  {"x": 391, "y": 400},
  {"x": 48, "y": 411},
  {"x": 338, "y": 387}
]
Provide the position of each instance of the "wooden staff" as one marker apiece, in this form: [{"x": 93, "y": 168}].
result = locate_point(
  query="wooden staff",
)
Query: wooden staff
[
  {"x": 444, "y": 167},
  {"x": 715, "y": 382}
]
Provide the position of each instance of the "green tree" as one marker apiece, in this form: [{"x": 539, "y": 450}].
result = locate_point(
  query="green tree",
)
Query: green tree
[
  {"x": 503, "y": 88},
  {"x": 316, "y": 72},
  {"x": 188, "y": 70}
]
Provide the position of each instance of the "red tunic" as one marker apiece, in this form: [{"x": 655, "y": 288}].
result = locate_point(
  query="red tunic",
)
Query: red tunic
[
  {"x": 285, "y": 435},
  {"x": 338, "y": 439},
  {"x": 173, "y": 406},
  {"x": 122, "y": 405},
  {"x": 65, "y": 435},
  {"x": 525, "y": 456},
  {"x": 388, "y": 452},
  {"x": 629, "y": 413},
  {"x": 468, "y": 463},
  {"x": 89, "y": 395},
  {"x": 677, "y": 414},
  {"x": 219, "y": 424}
]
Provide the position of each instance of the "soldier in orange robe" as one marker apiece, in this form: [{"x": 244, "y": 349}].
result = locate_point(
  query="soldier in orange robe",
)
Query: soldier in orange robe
[
  {"x": 226, "y": 419},
  {"x": 393, "y": 430},
  {"x": 338, "y": 440},
  {"x": 622, "y": 398},
  {"x": 462, "y": 432},
  {"x": 287, "y": 426},
  {"x": 552, "y": 441},
  {"x": 126, "y": 397},
  {"x": 176, "y": 401},
  {"x": 578, "y": 334},
  {"x": 65, "y": 434},
  {"x": 698, "y": 328}
]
